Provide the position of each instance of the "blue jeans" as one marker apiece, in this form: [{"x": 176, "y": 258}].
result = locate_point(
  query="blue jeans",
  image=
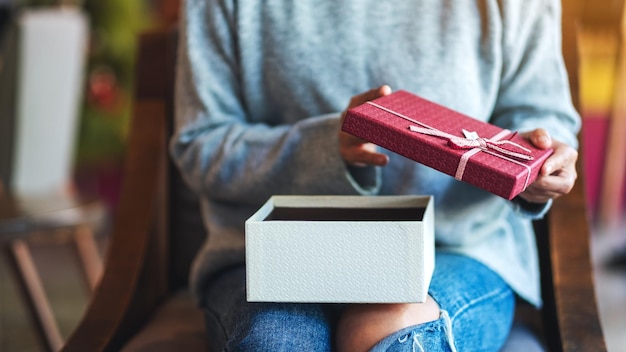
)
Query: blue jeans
[{"x": 477, "y": 309}]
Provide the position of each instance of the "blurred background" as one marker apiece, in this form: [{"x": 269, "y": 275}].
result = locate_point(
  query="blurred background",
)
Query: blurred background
[
  {"x": 95, "y": 103},
  {"x": 66, "y": 79}
]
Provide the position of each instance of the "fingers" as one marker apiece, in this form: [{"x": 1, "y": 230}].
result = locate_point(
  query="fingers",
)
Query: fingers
[
  {"x": 369, "y": 95},
  {"x": 550, "y": 187},
  {"x": 564, "y": 157},
  {"x": 540, "y": 138},
  {"x": 363, "y": 157},
  {"x": 376, "y": 93},
  {"x": 355, "y": 151},
  {"x": 557, "y": 176}
]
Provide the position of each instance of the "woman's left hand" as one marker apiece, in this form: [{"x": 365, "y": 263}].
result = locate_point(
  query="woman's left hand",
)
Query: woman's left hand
[{"x": 558, "y": 173}]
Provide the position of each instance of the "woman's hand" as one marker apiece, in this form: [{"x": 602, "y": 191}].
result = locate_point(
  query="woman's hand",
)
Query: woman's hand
[
  {"x": 356, "y": 151},
  {"x": 558, "y": 173}
]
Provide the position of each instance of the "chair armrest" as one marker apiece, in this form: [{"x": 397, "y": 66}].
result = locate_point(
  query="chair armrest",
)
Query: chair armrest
[
  {"x": 135, "y": 276},
  {"x": 114, "y": 312},
  {"x": 571, "y": 319}
]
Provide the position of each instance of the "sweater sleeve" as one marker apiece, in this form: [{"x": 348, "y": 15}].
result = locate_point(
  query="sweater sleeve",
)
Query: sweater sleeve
[
  {"x": 534, "y": 91},
  {"x": 224, "y": 154}
]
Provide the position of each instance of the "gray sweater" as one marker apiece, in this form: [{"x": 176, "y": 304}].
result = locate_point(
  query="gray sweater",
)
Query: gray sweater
[{"x": 260, "y": 86}]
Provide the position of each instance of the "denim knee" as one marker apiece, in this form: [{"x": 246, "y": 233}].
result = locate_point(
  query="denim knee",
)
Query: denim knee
[
  {"x": 282, "y": 327},
  {"x": 477, "y": 309},
  {"x": 434, "y": 336},
  {"x": 486, "y": 333}
]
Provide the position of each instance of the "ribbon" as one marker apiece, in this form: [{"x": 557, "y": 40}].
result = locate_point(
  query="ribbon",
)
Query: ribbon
[
  {"x": 493, "y": 145},
  {"x": 457, "y": 142}
]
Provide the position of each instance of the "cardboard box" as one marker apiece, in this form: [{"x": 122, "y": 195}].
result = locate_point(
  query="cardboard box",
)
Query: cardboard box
[
  {"x": 488, "y": 157},
  {"x": 341, "y": 249}
]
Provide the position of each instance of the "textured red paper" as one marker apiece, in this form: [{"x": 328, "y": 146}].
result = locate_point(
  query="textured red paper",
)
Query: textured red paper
[{"x": 492, "y": 173}]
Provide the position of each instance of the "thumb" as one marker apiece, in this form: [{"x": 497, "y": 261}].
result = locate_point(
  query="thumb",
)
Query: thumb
[
  {"x": 370, "y": 95},
  {"x": 540, "y": 138}
]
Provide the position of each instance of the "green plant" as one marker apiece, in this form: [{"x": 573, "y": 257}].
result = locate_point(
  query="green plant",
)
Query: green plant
[{"x": 114, "y": 26}]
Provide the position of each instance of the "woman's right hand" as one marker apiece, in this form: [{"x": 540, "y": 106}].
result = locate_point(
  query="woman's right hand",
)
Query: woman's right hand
[{"x": 354, "y": 150}]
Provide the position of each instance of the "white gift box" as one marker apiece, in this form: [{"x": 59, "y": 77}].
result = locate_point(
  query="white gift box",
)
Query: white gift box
[{"x": 341, "y": 249}]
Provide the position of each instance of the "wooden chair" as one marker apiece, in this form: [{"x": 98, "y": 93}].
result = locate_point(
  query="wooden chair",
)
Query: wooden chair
[{"x": 142, "y": 303}]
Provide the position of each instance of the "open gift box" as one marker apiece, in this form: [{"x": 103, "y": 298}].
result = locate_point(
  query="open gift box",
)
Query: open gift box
[
  {"x": 482, "y": 154},
  {"x": 340, "y": 249}
]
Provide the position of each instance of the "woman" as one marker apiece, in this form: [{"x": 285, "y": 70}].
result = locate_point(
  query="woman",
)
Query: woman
[{"x": 260, "y": 92}]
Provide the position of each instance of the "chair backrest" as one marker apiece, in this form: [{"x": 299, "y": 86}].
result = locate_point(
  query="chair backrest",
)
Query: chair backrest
[
  {"x": 187, "y": 231},
  {"x": 157, "y": 225},
  {"x": 180, "y": 214}
]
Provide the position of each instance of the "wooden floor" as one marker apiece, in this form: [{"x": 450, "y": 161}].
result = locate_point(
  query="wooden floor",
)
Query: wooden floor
[
  {"x": 65, "y": 285},
  {"x": 68, "y": 293}
]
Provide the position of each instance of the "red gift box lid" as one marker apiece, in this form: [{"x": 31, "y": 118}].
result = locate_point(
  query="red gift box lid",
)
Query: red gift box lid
[{"x": 499, "y": 161}]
